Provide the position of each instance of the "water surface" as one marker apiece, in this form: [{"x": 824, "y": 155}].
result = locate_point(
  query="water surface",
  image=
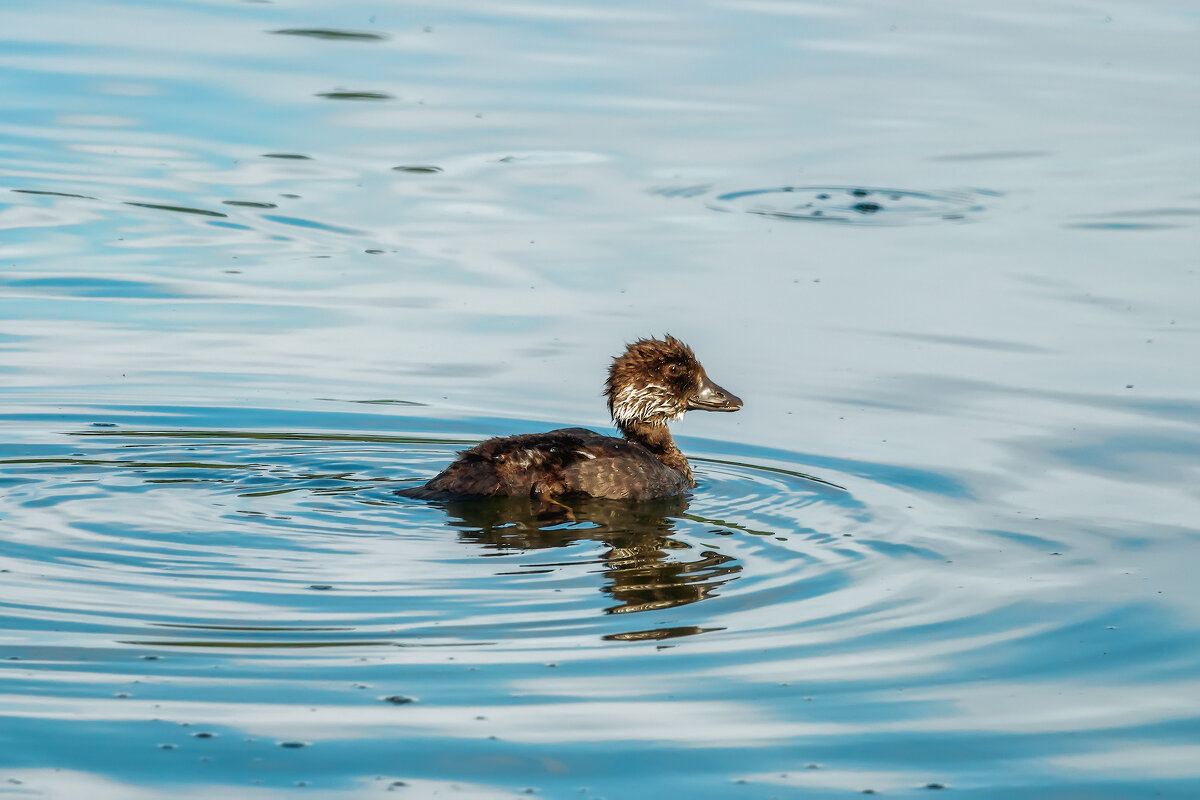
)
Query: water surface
[{"x": 263, "y": 264}]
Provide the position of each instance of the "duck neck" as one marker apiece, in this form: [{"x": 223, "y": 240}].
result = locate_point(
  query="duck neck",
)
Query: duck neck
[{"x": 656, "y": 438}]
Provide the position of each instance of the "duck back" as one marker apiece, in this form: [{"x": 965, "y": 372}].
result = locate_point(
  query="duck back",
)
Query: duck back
[{"x": 560, "y": 462}]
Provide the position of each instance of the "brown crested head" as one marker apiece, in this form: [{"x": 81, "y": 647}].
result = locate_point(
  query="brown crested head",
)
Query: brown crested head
[{"x": 657, "y": 380}]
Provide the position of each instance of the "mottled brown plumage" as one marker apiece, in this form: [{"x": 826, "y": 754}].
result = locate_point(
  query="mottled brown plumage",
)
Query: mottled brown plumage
[{"x": 652, "y": 382}]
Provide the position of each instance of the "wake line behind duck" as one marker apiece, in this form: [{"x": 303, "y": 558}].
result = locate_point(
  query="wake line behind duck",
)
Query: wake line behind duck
[{"x": 652, "y": 383}]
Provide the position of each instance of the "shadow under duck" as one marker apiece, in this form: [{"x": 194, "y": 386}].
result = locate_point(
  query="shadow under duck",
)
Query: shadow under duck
[{"x": 652, "y": 383}]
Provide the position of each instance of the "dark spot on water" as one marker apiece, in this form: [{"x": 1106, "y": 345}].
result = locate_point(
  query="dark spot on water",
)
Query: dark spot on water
[
  {"x": 104, "y": 424},
  {"x": 320, "y": 587},
  {"x": 354, "y": 95},
  {"x": 398, "y": 700},
  {"x": 830, "y": 204},
  {"x": 935, "y": 786},
  {"x": 52, "y": 194},
  {"x": 151, "y": 658},
  {"x": 251, "y": 203},
  {"x": 333, "y": 34},
  {"x": 181, "y": 209},
  {"x": 292, "y": 745},
  {"x": 290, "y": 156},
  {"x": 204, "y": 735},
  {"x": 419, "y": 169},
  {"x": 167, "y": 746}
]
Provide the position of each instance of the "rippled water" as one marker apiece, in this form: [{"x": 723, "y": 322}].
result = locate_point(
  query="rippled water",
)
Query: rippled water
[{"x": 263, "y": 264}]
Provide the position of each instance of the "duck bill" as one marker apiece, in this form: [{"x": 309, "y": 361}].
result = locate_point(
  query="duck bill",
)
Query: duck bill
[{"x": 711, "y": 397}]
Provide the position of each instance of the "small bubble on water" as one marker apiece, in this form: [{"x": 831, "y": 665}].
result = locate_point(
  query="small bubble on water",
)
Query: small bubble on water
[
  {"x": 320, "y": 587},
  {"x": 935, "y": 786},
  {"x": 397, "y": 699},
  {"x": 292, "y": 745}
]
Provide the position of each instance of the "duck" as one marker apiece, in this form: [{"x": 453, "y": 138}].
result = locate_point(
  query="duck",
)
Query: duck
[{"x": 653, "y": 382}]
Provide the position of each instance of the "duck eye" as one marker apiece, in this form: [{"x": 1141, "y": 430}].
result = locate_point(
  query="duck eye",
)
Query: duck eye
[{"x": 674, "y": 370}]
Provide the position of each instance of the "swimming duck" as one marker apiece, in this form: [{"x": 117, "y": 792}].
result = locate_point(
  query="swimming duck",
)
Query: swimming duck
[{"x": 652, "y": 383}]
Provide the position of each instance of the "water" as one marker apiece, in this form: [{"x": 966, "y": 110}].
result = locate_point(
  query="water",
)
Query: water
[{"x": 262, "y": 264}]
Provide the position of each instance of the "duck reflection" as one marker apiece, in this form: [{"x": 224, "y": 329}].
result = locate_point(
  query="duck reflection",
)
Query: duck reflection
[{"x": 646, "y": 567}]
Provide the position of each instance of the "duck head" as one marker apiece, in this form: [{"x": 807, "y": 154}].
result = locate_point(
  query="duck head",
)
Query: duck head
[{"x": 657, "y": 380}]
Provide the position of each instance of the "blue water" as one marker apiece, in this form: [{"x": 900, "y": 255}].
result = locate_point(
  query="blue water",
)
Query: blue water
[{"x": 263, "y": 264}]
